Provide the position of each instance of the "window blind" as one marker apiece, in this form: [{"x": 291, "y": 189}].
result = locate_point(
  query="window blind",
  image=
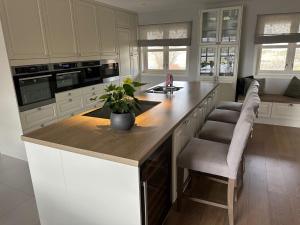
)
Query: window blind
[
  {"x": 278, "y": 28},
  {"x": 171, "y": 34}
]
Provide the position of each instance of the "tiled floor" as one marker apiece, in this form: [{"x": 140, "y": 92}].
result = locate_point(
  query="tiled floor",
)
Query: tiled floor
[{"x": 17, "y": 203}]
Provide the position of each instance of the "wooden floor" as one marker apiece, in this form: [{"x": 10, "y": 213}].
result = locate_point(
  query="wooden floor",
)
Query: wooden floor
[{"x": 271, "y": 191}]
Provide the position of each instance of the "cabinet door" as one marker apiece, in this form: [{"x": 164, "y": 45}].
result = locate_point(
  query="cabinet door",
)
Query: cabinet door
[
  {"x": 208, "y": 61},
  {"x": 135, "y": 67},
  {"x": 227, "y": 63},
  {"x": 107, "y": 30},
  {"x": 123, "y": 19},
  {"x": 60, "y": 28},
  {"x": 124, "y": 51},
  {"x": 230, "y": 25},
  {"x": 210, "y": 26},
  {"x": 87, "y": 30},
  {"x": 134, "y": 34},
  {"x": 23, "y": 29}
]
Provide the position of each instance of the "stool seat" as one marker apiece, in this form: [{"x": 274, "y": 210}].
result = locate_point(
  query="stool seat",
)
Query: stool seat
[
  {"x": 234, "y": 106},
  {"x": 223, "y": 115},
  {"x": 205, "y": 156},
  {"x": 217, "y": 131}
]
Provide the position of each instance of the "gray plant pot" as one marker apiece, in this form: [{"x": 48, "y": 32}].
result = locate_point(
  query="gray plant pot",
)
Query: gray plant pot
[{"x": 122, "y": 121}]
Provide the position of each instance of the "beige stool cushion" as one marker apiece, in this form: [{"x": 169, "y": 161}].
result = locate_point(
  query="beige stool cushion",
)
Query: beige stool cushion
[
  {"x": 205, "y": 156},
  {"x": 223, "y": 115},
  {"x": 217, "y": 131},
  {"x": 235, "y": 106}
]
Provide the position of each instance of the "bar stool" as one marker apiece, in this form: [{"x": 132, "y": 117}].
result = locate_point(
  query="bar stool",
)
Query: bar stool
[{"x": 216, "y": 159}]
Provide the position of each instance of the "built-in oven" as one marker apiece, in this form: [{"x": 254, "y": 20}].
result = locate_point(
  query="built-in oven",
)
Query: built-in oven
[
  {"x": 67, "y": 76},
  {"x": 109, "y": 70},
  {"x": 91, "y": 73},
  {"x": 34, "y": 86}
]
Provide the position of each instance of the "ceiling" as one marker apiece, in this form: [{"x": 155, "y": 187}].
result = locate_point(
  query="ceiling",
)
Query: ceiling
[{"x": 142, "y": 6}]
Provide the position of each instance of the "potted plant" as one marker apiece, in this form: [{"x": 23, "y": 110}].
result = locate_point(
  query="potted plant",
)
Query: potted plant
[{"x": 120, "y": 99}]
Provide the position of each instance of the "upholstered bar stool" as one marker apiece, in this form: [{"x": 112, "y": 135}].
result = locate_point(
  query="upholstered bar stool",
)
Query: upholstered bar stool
[
  {"x": 237, "y": 106},
  {"x": 223, "y": 132},
  {"x": 217, "y": 159}
]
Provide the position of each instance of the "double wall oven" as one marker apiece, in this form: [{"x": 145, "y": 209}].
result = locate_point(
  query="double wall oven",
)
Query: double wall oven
[{"x": 36, "y": 85}]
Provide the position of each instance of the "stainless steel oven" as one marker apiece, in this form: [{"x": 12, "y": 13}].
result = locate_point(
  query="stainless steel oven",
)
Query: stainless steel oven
[
  {"x": 67, "y": 76},
  {"x": 109, "y": 70},
  {"x": 34, "y": 86},
  {"x": 91, "y": 73}
]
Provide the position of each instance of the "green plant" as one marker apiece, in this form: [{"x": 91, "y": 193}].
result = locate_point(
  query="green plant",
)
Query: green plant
[{"x": 120, "y": 98}]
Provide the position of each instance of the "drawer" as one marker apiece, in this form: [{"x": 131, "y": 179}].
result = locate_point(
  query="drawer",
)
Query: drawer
[
  {"x": 286, "y": 111},
  {"x": 265, "y": 109},
  {"x": 92, "y": 98},
  {"x": 89, "y": 89},
  {"x": 39, "y": 126},
  {"x": 94, "y": 106},
  {"x": 37, "y": 117},
  {"x": 69, "y": 106},
  {"x": 62, "y": 96}
]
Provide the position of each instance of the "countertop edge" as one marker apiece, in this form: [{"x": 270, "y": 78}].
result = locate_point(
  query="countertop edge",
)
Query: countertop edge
[{"x": 103, "y": 156}]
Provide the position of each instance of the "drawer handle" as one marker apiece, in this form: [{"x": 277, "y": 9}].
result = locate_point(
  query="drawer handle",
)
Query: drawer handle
[
  {"x": 291, "y": 104},
  {"x": 70, "y": 100},
  {"x": 94, "y": 93},
  {"x": 93, "y": 99},
  {"x": 93, "y": 88},
  {"x": 72, "y": 114},
  {"x": 39, "y": 108},
  {"x": 42, "y": 125},
  {"x": 69, "y": 94}
]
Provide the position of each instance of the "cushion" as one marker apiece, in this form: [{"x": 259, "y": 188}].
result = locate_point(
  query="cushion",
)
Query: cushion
[
  {"x": 217, "y": 131},
  {"x": 235, "y": 106},
  {"x": 293, "y": 90},
  {"x": 261, "y": 88},
  {"x": 205, "y": 156},
  {"x": 223, "y": 115}
]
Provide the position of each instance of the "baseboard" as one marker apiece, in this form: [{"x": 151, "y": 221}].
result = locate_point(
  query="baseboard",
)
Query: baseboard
[{"x": 278, "y": 122}]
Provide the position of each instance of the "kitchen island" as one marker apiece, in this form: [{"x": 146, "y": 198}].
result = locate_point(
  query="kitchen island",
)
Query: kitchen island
[{"x": 83, "y": 172}]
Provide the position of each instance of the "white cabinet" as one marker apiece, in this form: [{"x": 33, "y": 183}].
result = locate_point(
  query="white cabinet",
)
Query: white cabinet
[
  {"x": 265, "y": 109},
  {"x": 220, "y": 44},
  {"x": 60, "y": 28},
  {"x": 123, "y": 19},
  {"x": 124, "y": 51},
  {"x": 23, "y": 29},
  {"x": 87, "y": 30},
  {"x": 91, "y": 96},
  {"x": 107, "y": 30},
  {"x": 37, "y": 118}
]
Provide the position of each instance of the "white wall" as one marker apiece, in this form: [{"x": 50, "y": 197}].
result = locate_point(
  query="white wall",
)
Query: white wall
[
  {"x": 252, "y": 9},
  {"x": 10, "y": 125}
]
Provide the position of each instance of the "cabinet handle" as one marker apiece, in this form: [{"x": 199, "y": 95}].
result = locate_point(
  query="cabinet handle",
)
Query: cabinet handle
[
  {"x": 291, "y": 104},
  {"x": 39, "y": 108},
  {"x": 70, "y": 100},
  {"x": 94, "y": 93},
  {"x": 72, "y": 114},
  {"x": 69, "y": 94},
  {"x": 42, "y": 125},
  {"x": 145, "y": 186},
  {"x": 93, "y": 88}
]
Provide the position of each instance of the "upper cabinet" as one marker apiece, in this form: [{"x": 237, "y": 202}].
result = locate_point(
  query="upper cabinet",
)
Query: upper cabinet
[
  {"x": 134, "y": 33},
  {"x": 87, "y": 30},
  {"x": 123, "y": 19},
  {"x": 23, "y": 29},
  {"x": 106, "y": 19},
  {"x": 221, "y": 26},
  {"x": 60, "y": 28},
  {"x": 124, "y": 51}
]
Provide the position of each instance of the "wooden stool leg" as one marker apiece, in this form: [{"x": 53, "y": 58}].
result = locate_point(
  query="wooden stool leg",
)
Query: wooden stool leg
[
  {"x": 180, "y": 172},
  {"x": 230, "y": 200}
]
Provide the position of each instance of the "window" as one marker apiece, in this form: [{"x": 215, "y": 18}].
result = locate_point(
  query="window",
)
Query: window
[
  {"x": 167, "y": 58},
  {"x": 165, "y": 46},
  {"x": 278, "y": 43}
]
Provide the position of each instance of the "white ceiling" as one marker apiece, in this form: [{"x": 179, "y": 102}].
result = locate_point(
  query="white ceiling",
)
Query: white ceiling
[{"x": 142, "y": 6}]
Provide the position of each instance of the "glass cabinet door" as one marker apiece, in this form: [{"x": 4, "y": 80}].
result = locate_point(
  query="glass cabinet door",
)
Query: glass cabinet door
[
  {"x": 227, "y": 58},
  {"x": 230, "y": 25},
  {"x": 209, "y": 26},
  {"x": 208, "y": 61}
]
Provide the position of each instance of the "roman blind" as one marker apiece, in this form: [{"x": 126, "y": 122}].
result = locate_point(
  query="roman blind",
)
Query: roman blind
[
  {"x": 168, "y": 34},
  {"x": 278, "y": 28}
]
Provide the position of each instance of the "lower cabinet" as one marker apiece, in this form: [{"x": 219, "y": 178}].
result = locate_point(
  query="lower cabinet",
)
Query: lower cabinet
[
  {"x": 69, "y": 107},
  {"x": 39, "y": 117},
  {"x": 155, "y": 175}
]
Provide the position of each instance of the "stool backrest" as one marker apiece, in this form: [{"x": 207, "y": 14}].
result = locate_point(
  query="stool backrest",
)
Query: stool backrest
[{"x": 239, "y": 141}]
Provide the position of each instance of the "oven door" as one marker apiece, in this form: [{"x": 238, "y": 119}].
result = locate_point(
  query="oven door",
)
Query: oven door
[
  {"x": 68, "y": 80},
  {"x": 34, "y": 91},
  {"x": 91, "y": 75},
  {"x": 110, "y": 71}
]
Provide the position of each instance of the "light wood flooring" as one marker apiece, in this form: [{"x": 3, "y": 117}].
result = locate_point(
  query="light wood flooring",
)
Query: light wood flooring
[{"x": 271, "y": 191}]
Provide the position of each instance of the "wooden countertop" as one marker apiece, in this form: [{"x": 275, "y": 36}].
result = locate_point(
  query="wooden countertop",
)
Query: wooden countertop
[{"x": 94, "y": 137}]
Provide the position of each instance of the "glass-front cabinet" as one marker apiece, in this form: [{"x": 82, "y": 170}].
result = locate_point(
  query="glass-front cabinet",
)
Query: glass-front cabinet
[{"x": 220, "y": 43}]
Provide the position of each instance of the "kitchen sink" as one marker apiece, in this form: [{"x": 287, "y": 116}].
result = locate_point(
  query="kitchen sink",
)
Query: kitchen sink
[
  {"x": 104, "y": 112},
  {"x": 163, "y": 89}
]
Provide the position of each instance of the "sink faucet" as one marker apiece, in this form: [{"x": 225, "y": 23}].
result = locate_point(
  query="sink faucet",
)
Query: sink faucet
[{"x": 169, "y": 80}]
